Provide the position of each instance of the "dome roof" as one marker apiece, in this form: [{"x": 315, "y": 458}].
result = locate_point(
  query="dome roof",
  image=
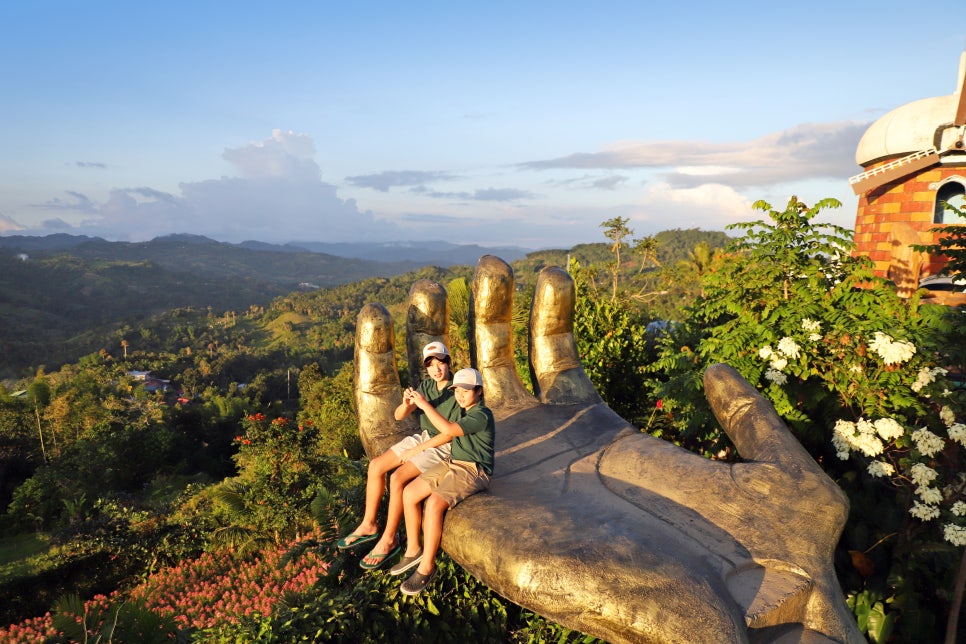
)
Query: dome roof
[{"x": 911, "y": 127}]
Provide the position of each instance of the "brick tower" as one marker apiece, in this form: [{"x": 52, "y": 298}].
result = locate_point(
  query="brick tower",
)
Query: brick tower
[{"x": 915, "y": 160}]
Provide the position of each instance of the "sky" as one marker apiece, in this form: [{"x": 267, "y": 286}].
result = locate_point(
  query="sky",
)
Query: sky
[{"x": 498, "y": 123}]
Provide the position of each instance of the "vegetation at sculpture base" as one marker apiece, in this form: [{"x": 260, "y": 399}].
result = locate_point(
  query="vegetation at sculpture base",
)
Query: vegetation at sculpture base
[{"x": 204, "y": 505}]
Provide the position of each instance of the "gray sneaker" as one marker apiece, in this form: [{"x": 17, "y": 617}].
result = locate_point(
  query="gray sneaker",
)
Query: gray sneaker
[
  {"x": 417, "y": 582},
  {"x": 406, "y": 563}
]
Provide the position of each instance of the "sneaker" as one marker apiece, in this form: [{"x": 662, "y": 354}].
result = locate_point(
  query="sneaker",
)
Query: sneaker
[
  {"x": 417, "y": 582},
  {"x": 406, "y": 563}
]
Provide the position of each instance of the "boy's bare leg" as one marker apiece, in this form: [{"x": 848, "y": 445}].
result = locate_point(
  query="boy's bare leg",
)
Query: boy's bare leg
[
  {"x": 413, "y": 496},
  {"x": 398, "y": 480},
  {"x": 434, "y": 511},
  {"x": 394, "y": 511},
  {"x": 375, "y": 488}
]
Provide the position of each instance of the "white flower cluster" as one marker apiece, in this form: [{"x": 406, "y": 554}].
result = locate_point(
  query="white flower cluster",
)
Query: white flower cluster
[
  {"x": 891, "y": 351},
  {"x": 955, "y": 534},
  {"x": 922, "y": 474},
  {"x": 775, "y": 376},
  {"x": 812, "y": 327},
  {"x": 778, "y": 360},
  {"x": 959, "y": 508},
  {"x": 789, "y": 348},
  {"x": 929, "y": 495},
  {"x": 889, "y": 429},
  {"x": 947, "y": 416},
  {"x": 866, "y": 437},
  {"x": 927, "y": 443},
  {"x": 926, "y": 508},
  {"x": 957, "y": 432},
  {"x": 879, "y": 469},
  {"x": 924, "y": 512},
  {"x": 926, "y": 376}
]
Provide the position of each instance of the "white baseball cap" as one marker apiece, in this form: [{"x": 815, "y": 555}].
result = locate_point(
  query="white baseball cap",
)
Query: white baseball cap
[
  {"x": 467, "y": 378},
  {"x": 435, "y": 350}
]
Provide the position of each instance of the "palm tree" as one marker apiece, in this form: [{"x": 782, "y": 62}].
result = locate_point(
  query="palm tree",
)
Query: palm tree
[
  {"x": 699, "y": 261},
  {"x": 458, "y": 293},
  {"x": 647, "y": 247},
  {"x": 616, "y": 230}
]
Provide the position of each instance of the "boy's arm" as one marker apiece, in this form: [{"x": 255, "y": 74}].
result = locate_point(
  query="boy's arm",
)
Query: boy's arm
[
  {"x": 439, "y": 422},
  {"x": 404, "y": 409},
  {"x": 435, "y": 441}
]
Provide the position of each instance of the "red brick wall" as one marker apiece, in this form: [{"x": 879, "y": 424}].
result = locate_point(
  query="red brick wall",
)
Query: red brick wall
[{"x": 912, "y": 202}]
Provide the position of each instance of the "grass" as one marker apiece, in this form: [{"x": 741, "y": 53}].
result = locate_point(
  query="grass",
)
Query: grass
[{"x": 25, "y": 554}]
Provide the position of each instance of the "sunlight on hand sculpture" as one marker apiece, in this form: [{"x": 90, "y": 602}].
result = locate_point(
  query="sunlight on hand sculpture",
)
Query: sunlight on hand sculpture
[{"x": 605, "y": 529}]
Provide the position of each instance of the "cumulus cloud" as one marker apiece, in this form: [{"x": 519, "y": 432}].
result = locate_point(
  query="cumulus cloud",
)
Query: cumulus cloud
[
  {"x": 709, "y": 206},
  {"x": 811, "y": 150},
  {"x": 285, "y": 155},
  {"x": 279, "y": 196}
]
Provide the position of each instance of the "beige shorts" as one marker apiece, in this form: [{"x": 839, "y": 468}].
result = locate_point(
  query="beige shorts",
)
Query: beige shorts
[
  {"x": 456, "y": 480},
  {"x": 428, "y": 457}
]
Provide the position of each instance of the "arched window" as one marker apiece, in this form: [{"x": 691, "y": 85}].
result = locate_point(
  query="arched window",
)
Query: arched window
[{"x": 954, "y": 194}]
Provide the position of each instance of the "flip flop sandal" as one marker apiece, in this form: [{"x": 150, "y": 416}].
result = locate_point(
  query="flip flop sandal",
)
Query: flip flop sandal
[
  {"x": 406, "y": 563},
  {"x": 380, "y": 558},
  {"x": 417, "y": 582},
  {"x": 357, "y": 540}
]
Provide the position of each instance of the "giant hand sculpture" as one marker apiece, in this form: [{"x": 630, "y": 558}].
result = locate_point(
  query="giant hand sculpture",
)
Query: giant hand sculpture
[{"x": 605, "y": 529}]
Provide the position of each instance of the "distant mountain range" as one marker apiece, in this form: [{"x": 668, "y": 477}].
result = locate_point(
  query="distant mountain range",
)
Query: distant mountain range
[
  {"x": 60, "y": 293},
  {"x": 411, "y": 253}
]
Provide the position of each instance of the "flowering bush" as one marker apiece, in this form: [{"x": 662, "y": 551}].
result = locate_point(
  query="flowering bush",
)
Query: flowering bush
[
  {"x": 215, "y": 589},
  {"x": 859, "y": 374},
  {"x": 280, "y": 469},
  {"x": 210, "y": 592}
]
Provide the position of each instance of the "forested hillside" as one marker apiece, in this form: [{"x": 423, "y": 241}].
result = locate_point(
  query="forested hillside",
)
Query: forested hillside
[
  {"x": 60, "y": 295},
  {"x": 57, "y": 299}
]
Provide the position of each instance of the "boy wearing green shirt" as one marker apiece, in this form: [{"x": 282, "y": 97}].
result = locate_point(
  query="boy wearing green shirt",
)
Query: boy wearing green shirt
[{"x": 466, "y": 472}]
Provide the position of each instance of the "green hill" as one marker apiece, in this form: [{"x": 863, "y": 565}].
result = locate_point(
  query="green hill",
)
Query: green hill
[{"x": 49, "y": 296}]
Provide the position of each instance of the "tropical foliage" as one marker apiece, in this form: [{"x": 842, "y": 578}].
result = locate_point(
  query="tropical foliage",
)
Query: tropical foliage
[
  {"x": 862, "y": 378},
  {"x": 206, "y": 510}
]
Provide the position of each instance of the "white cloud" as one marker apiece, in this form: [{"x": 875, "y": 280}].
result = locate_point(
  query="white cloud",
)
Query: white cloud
[
  {"x": 283, "y": 155},
  {"x": 278, "y": 197},
  {"x": 710, "y": 206},
  {"x": 810, "y": 150}
]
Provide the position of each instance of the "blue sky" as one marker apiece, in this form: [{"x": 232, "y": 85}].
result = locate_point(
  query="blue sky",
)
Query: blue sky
[{"x": 523, "y": 123}]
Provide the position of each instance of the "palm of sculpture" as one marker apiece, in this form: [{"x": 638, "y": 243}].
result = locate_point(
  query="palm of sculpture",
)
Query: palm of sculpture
[{"x": 607, "y": 530}]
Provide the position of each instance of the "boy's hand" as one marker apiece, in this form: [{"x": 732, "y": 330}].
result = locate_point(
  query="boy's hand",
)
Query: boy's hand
[{"x": 607, "y": 530}]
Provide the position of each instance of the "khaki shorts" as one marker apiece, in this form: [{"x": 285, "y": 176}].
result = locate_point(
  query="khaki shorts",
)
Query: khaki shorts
[
  {"x": 456, "y": 480},
  {"x": 428, "y": 457}
]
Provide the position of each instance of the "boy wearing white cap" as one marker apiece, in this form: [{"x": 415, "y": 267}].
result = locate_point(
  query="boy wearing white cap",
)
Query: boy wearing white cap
[
  {"x": 404, "y": 462},
  {"x": 466, "y": 472}
]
